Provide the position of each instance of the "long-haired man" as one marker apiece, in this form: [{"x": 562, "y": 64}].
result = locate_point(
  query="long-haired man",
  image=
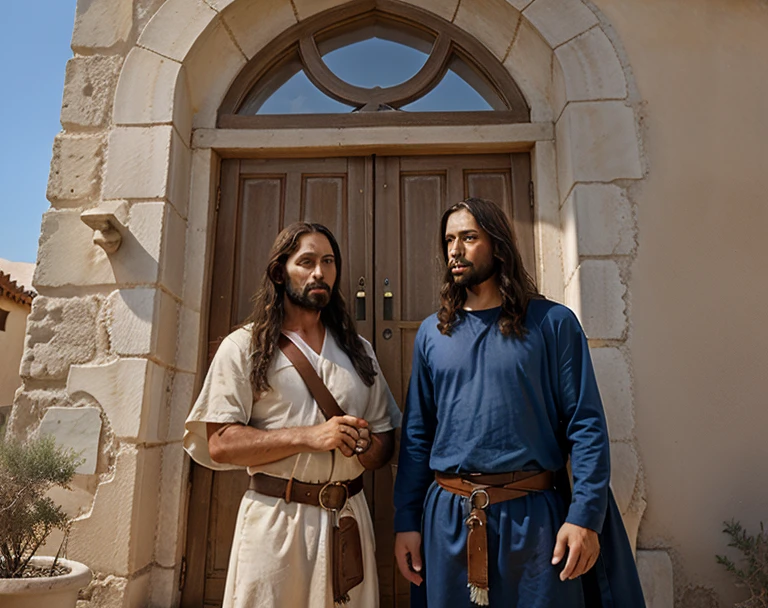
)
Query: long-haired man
[
  {"x": 255, "y": 411},
  {"x": 502, "y": 394}
]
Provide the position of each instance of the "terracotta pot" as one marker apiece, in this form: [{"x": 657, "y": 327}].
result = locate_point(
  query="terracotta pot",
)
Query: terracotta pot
[{"x": 45, "y": 591}]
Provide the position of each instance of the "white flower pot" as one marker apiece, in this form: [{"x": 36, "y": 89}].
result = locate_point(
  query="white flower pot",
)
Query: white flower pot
[{"x": 45, "y": 591}]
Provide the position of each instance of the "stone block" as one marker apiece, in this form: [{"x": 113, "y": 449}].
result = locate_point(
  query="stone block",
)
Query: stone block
[
  {"x": 67, "y": 254},
  {"x": 656, "y": 577},
  {"x": 178, "y": 174},
  {"x": 77, "y": 429},
  {"x": 216, "y": 60},
  {"x": 307, "y": 8},
  {"x": 164, "y": 587},
  {"x": 173, "y": 252},
  {"x": 596, "y": 294},
  {"x": 176, "y": 26},
  {"x": 597, "y": 221},
  {"x": 143, "y": 11},
  {"x": 530, "y": 64},
  {"x": 596, "y": 142},
  {"x": 132, "y": 394},
  {"x": 492, "y": 22},
  {"x": 143, "y": 323},
  {"x": 75, "y": 168},
  {"x": 613, "y": 378},
  {"x": 188, "y": 352},
  {"x": 102, "y": 25},
  {"x": 138, "y": 163},
  {"x": 199, "y": 227},
  {"x": 442, "y": 8},
  {"x": 560, "y": 20},
  {"x": 559, "y": 95},
  {"x": 89, "y": 87},
  {"x": 147, "y": 89},
  {"x": 624, "y": 469},
  {"x": 591, "y": 68},
  {"x": 520, "y": 5},
  {"x": 125, "y": 513},
  {"x": 549, "y": 261},
  {"x": 182, "y": 398},
  {"x": 171, "y": 514},
  {"x": 254, "y": 23},
  {"x": 60, "y": 332}
]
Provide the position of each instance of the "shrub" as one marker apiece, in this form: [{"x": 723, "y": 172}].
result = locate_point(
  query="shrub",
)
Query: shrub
[
  {"x": 754, "y": 574},
  {"x": 27, "y": 517}
]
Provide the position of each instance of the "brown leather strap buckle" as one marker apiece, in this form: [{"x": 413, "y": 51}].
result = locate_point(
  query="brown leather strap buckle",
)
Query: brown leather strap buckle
[
  {"x": 328, "y": 500},
  {"x": 479, "y": 492}
]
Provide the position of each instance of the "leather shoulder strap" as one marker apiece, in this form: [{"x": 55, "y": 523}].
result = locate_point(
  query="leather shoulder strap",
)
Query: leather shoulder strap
[{"x": 316, "y": 386}]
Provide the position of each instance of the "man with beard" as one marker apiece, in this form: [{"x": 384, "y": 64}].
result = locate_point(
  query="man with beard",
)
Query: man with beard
[
  {"x": 256, "y": 411},
  {"x": 502, "y": 394}
]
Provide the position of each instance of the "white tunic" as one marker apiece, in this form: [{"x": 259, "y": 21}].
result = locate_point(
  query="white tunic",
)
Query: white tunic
[{"x": 280, "y": 554}]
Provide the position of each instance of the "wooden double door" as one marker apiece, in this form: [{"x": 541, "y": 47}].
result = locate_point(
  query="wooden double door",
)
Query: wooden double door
[{"x": 385, "y": 213}]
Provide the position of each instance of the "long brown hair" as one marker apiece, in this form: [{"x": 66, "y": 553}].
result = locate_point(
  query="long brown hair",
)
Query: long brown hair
[
  {"x": 515, "y": 284},
  {"x": 268, "y": 310}
]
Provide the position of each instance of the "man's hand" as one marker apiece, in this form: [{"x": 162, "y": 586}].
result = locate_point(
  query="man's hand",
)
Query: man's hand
[
  {"x": 408, "y": 555},
  {"x": 342, "y": 432},
  {"x": 583, "y": 550}
]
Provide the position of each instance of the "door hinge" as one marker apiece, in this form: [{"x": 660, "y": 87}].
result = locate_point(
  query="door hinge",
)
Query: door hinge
[
  {"x": 530, "y": 193},
  {"x": 183, "y": 573},
  {"x": 218, "y": 198}
]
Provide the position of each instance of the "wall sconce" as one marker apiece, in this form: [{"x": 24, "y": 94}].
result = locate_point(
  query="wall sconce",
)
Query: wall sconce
[{"x": 108, "y": 221}]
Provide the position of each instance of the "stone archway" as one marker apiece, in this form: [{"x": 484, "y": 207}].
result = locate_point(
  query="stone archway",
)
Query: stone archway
[{"x": 586, "y": 158}]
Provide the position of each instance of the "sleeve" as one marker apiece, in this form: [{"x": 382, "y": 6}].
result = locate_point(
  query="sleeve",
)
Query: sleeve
[
  {"x": 584, "y": 424},
  {"x": 382, "y": 412},
  {"x": 414, "y": 475},
  {"x": 226, "y": 397}
]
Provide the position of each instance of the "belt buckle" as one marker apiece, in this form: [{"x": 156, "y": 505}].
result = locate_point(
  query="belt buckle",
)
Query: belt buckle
[{"x": 331, "y": 484}]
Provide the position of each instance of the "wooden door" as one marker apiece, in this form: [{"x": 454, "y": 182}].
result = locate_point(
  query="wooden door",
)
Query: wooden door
[
  {"x": 385, "y": 213},
  {"x": 411, "y": 194}
]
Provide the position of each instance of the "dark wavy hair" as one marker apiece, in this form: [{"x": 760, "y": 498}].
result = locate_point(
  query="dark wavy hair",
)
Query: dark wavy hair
[
  {"x": 515, "y": 284},
  {"x": 268, "y": 310}
]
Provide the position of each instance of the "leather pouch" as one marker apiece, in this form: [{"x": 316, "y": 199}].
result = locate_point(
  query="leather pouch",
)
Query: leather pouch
[{"x": 347, "y": 559}]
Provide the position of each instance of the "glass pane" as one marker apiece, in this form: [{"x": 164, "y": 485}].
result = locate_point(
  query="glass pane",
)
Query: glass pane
[
  {"x": 296, "y": 96},
  {"x": 462, "y": 89},
  {"x": 375, "y": 62}
]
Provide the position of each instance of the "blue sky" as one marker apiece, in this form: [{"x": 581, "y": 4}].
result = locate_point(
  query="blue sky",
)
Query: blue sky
[{"x": 34, "y": 49}]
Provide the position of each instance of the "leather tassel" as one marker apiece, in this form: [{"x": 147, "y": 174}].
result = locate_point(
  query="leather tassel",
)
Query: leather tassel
[{"x": 477, "y": 557}]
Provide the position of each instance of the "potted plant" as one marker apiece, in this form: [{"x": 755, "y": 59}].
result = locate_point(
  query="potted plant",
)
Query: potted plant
[
  {"x": 27, "y": 518},
  {"x": 753, "y": 573}
]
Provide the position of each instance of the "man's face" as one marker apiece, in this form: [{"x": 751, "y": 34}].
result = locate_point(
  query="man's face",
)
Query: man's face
[
  {"x": 310, "y": 272},
  {"x": 469, "y": 248}
]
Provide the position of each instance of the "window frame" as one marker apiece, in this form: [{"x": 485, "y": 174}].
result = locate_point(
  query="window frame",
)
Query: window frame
[{"x": 299, "y": 44}]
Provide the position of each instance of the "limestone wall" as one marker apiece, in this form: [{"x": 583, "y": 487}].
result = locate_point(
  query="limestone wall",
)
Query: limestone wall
[
  {"x": 698, "y": 285},
  {"x": 11, "y": 348}
]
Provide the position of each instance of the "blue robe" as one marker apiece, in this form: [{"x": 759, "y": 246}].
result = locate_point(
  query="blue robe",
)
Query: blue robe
[{"x": 480, "y": 402}]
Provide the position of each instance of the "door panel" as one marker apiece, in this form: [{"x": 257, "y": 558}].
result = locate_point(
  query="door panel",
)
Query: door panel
[
  {"x": 411, "y": 195},
  {"x": 399, "y": 271}
]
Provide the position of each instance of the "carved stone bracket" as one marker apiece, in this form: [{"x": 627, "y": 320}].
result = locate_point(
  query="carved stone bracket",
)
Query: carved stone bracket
[{"x": 108, "y": 222}]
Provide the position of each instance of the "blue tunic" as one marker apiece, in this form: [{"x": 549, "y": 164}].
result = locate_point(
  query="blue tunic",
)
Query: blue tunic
[{"x": 480, "y": 402}]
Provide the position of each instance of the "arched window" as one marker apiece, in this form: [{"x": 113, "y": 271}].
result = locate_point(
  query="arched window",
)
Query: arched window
[{"x": 357, "y": 65}]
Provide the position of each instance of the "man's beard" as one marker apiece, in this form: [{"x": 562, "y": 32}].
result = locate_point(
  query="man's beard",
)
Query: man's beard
[
  {"x": 472, "y": 275},
  {"x": 307, "y": 300}
]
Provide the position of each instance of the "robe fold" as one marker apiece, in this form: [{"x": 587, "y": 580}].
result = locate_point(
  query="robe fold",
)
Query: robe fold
[
  {"x": 280, "y": 554},
  {"x": 480, "y": 402}
]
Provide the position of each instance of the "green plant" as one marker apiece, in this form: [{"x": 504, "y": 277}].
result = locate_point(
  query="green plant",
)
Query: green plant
[
  {"x": 754, "y": 574},
  {"x": 27, "y": 517}
]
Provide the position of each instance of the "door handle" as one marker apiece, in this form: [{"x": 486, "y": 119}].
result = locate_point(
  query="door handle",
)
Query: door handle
[
  {"x": 389, "y": 302},
  {"x": 360, "y": 300}
]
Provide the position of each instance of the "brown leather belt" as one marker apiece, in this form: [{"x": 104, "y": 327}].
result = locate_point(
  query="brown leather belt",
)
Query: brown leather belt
[
  {"x": 331, "y": 496},
  {"x": 497, "y": 488},
  {"x": 483, "y": 491}
]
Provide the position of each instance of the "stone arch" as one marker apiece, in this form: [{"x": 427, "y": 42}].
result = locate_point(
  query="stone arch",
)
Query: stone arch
[{"x": 172, "y": 83}]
